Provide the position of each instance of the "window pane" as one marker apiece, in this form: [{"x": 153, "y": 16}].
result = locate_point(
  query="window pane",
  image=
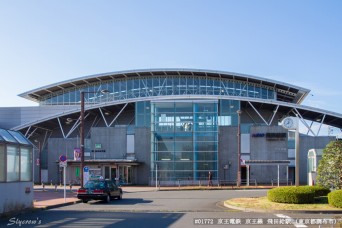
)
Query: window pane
[
  {"x": 26, "y": 164},
  {"x": 12, "y": 163},
  {"x": 2, "y": 163},
  {"x": 19, "y": 137},
  {"x": 7, "y": 136}
]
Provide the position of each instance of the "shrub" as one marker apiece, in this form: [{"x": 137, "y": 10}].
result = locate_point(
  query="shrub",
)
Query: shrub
[
  {"x": 335, "y": 198},
  {"x": 319, "y": 190},
  {"x": 291, "y": 194}
]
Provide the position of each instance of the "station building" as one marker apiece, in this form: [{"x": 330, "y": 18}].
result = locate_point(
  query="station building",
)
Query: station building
[{"x": 170, "y": 125}]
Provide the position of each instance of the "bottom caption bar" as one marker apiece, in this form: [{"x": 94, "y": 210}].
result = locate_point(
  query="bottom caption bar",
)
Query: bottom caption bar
[{"x": 263, "y": 221}]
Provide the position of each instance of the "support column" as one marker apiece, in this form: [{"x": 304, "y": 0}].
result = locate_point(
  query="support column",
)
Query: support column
[
  {"x": 297, "y": 157},
  {"x": 278, "y": 175},
  {"x": 247, "y": 175}
]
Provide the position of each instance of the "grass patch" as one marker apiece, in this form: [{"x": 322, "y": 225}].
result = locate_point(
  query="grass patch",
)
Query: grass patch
[{"x": 321, "y": 203}]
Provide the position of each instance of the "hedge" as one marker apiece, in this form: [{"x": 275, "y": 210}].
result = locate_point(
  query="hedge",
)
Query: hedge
[
  {"x": 292, "y": 194},
  {"x": 335, "y": 198},
  {"x": 319, "y": 190}
]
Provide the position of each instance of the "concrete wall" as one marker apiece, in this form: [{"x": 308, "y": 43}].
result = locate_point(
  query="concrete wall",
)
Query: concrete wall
[
  {"x": 227, "y": 153},
  {"x": 305, "y": 144},
  {"x": 112, "y": 139},
  {"x": 14, "y": 198},
  {"x": 265, "y": 149},
  {"x": 143, "y": 154},
  {"x": 260, "y": 149},
  {"x": 56, "y": 148}
]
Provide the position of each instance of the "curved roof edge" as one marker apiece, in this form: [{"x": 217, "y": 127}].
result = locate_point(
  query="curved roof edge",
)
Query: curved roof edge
[
  {"x": 310, "y": 113},
  {"x": 34, "y": 94}
]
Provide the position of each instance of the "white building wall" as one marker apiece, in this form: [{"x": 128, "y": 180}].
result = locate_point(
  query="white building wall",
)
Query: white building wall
[{"x": 16, "y": 196}]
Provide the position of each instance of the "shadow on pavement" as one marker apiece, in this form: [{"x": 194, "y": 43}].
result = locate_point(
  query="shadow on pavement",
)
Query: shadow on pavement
[{"x": 130, "y": 201}]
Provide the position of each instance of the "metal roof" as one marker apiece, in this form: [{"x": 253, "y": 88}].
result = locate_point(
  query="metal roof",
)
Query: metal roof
[{"x": 285, "y": 92}]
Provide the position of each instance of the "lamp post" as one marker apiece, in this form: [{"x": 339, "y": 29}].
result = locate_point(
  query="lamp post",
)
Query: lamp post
[
  {"x": 238, "y": 182},
  {"x": 82, "y": 130}
]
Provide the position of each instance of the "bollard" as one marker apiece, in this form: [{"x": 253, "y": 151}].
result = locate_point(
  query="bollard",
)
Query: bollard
[
  {"x": 55, "y": 187},
  {"x": 51, "y": 183}
]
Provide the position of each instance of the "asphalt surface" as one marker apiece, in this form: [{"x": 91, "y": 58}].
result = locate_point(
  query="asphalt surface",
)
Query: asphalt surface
[{"x": 146, "y": 207}]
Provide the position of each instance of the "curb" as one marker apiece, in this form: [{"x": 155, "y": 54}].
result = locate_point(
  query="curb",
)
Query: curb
[
  {"x": 281, "y": 211},
  {"x": 57, "y": 205}
]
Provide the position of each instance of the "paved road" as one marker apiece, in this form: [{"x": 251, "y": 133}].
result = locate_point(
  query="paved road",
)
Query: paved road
[{"x": 149, "y": 208}]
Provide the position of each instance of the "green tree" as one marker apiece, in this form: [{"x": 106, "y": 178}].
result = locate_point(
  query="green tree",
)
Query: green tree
[{"x": 329, "y": 172}]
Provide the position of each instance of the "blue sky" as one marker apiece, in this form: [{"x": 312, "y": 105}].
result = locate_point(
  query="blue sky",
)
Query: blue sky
[{"x": 298, "y": 42}]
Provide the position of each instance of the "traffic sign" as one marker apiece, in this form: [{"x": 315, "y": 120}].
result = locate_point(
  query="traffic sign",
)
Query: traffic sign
[
  {"x": 62, "y": 164},
  {"x": 86, "y": 169},
  {"x": 62, "y": 158}
]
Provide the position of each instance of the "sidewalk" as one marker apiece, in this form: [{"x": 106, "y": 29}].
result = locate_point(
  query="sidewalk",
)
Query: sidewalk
[{"x": 50, "y": 198}]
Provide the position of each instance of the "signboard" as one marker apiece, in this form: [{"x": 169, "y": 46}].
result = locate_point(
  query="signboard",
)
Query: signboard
[
  {"x": 62, "y": 164},
  {"x": 77, "y": 171},
  {"x": 98, "y": 145},
  {"x": 85, "y": 174},
  {"x": 77, "y": 154},
  {"x": 62, "y": 158},
  {"x": 62, "y": 161}
]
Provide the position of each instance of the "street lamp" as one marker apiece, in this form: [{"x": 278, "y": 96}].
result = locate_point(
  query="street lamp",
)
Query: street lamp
[
  {"x": 238, "y": 182},
  {"x": 82, "y": 130}
]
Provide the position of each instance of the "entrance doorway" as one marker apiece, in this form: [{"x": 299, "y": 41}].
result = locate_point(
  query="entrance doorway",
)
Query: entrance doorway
[
  {"x": 125, "y": 175},
  {"x": 113, "y": 173},
  {"x": 292, "y": 174},
  {"x": 243, "y": 173}
]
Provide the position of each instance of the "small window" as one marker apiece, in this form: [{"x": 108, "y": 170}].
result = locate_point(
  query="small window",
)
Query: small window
[{"x": 12, "y": 163}]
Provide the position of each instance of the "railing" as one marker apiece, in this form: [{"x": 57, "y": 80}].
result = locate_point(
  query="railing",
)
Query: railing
[
  {"x": 281, "y": 181},
  {"x": 178, "y": 182},
  {"x": 234, "y": 182},
  {"x": 227, "y": 183},
  {"x": 198, "y": 182}
]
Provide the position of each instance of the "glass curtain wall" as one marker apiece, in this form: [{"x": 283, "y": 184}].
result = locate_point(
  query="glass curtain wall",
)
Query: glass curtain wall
[
  {"x": 184, "y": 139},
  {"x": 159, "y": 86}
]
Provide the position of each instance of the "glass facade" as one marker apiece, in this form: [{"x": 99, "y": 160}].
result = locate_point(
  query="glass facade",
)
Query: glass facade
[
  {"x": 228, "y": 113},
  {"x": 15, "y": 157},
  {"x": 159, "y": 86},
  {"x": 184, "y": 137},
  {"x": 143, "y": 114}
]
